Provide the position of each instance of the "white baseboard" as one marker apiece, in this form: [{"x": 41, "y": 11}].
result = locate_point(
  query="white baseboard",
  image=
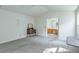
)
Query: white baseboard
[
  {"x": 21, "y": 37},
  {"x": 12, "y": 40}
]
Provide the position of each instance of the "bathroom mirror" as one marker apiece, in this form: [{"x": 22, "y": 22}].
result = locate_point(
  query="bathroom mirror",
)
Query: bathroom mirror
[{"x": 30, "y": 25}]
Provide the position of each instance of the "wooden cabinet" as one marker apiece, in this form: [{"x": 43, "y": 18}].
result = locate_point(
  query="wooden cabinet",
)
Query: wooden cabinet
[
  {"x": 53, "y": 31},
  {"x": 31, "y": 31}
]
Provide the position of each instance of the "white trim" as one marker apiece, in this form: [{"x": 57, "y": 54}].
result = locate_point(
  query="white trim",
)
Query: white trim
[{"x": 12, "y": 40}]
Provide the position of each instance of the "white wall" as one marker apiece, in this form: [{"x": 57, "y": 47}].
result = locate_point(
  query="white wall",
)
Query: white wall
[
  {"x": 66, "y": 23},
  {"x": 22, "y": 26},
  {"x": 13, "y": 25},
  {"x": 77, "y": 24}
]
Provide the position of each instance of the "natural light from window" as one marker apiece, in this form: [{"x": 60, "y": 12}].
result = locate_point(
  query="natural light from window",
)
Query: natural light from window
[{"x": 55, "y": 50}]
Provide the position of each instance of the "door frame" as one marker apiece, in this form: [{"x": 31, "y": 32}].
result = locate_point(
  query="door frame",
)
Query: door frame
[{"x": 58, "y": 26}]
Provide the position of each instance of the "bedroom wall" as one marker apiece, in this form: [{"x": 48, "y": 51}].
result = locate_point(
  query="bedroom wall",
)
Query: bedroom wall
[
  {"x": 66, "y": 23},
  {"x": 13, "y": 25},
  {"x": 77, "y": 24}
]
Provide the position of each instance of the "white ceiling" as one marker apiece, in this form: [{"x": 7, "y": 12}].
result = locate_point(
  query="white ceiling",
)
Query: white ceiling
[{"x": 35, "y": 10}]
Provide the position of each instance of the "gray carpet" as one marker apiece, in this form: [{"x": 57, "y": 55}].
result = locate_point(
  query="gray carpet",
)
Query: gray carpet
[{"x": 36, "y": 44}]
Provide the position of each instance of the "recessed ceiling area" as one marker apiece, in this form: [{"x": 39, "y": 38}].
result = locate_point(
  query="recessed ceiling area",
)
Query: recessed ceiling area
[{"x": 36, "y": 10}]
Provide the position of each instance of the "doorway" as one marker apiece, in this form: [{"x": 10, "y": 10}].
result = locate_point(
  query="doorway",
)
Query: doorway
[{"x": 52, "y": 27}]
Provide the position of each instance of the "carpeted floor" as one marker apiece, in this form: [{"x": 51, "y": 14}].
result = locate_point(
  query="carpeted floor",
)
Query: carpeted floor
[{"x": 37, "y": 44}]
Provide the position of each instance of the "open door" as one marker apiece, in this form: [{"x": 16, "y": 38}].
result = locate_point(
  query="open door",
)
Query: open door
[{"x": 52, "y": 27}]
